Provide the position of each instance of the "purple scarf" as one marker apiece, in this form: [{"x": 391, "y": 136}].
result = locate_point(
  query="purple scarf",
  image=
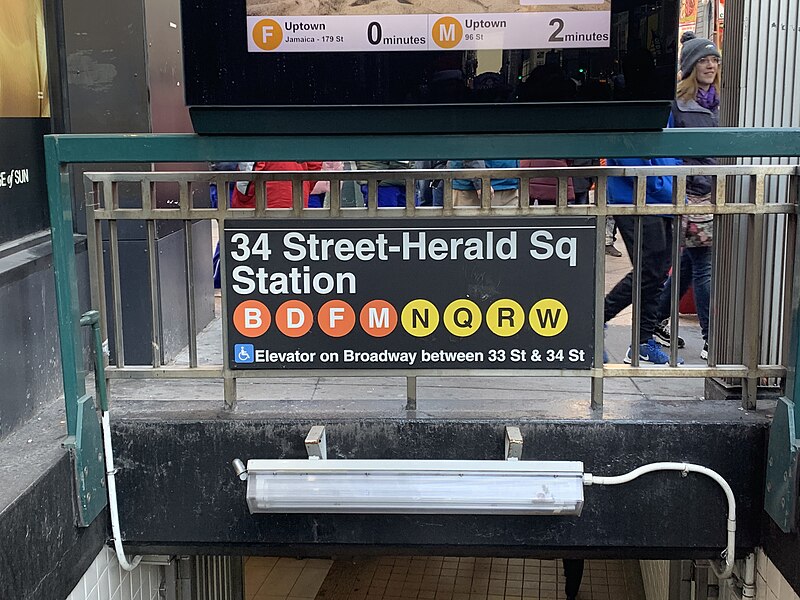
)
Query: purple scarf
[{"x": 708, "y": 100}]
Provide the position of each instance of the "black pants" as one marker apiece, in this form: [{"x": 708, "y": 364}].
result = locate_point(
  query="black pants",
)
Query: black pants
[
  {"x": 573, "y": 573},
  {"x": 656, "y": 261}
]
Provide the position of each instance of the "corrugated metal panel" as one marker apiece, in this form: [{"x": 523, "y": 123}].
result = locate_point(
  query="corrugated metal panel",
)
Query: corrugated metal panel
[
  {"x": 217, "y": 578},
  {"x": 761, "y": 88}
]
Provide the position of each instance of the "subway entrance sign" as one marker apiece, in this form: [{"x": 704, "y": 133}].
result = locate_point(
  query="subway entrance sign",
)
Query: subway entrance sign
[{"x": 425, "y": 294}]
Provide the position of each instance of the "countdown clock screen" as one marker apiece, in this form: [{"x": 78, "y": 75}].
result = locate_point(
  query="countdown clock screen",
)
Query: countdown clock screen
[{"x": 349, "y": 53}]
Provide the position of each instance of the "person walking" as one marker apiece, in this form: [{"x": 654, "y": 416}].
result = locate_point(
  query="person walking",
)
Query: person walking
[
  {"x": 656, "y": 254},
  {"x": 696, "y": 105}
]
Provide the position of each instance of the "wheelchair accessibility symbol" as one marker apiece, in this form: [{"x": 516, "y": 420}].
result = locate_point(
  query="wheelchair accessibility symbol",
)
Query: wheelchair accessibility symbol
[{"x": 243, "y": 353}]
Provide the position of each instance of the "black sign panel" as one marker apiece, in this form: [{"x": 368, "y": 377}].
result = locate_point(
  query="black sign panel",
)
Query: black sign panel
[
  {"x": 23, "y": 190},
  {"x": 411, "y": 294}
]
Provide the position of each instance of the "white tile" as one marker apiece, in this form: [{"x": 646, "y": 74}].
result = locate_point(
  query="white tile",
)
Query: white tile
[
  {"x": 136, "y": 579},
  {"x": 90, "y": 578},
  {"x": 114, "y": 577},
  {"x": 125, "y": 586},
  {"x": 79, "y": 591},
  {"x": 761, "y": 562},
  {"x": 761, "y": 587},
  {"x": 155, "y": 581},
  {"x": 773, "y": 577},
  {"x": 786, "y": 591},
  {"x": 102, "y": 583}
]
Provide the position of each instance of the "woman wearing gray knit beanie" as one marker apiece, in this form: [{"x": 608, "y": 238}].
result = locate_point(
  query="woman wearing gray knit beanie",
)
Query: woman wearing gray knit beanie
[{"x": 697, "y": 105}]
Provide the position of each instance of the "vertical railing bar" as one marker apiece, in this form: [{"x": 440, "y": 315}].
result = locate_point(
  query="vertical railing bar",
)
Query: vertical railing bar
[
  {"x": 486, "y": 194},
  {"x": 155, "y": 302},
  {"x": 674, "y": 305},
  {"x": 524, "y": 194},
  {"x": 788, "y": 283},
  {"x": 600, "y": 192},
  {"x": 190, "y": 302},
  {"x": 223, "y": 192},
  {"x": 261, "y": 199},
  {"x": 791, "y": 289},
  {"x": 752, "y": 301},
  {"x": 641, "y": 190},
  {"x": 599, "y": 316},
  {"x": 562, "y": 192},
  {"x": 636, "y": 292},
  {"x": 447, "y": 197},
  {"x": 147, "y": 196},
  {"x": 679, "y": 195},
  {"x": 678, "y": 200},
  {"x": 297, "y": 195},
  {"x": 411, "y": 200},
  {"x": 716, "y": 257},
  {"x": 228, "y": 375},
  {"x": 411, "y": 207},
  {"x": 183, "y": 197},
  {"x": 116, "y": 289},
  {"x": 94, "y": 243},
  {"x": 411, "y": 393},
  {"x": 112, "y": 187},
  {"x": 372, "y": 196},
  {"x": 720, "y": 189},
  {"x": 759, "y": 195},
  {"x": 335, "y": 202}
]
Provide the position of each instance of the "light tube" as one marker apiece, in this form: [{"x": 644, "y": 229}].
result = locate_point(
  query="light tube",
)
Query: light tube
[{"x": 415, "y": 487}]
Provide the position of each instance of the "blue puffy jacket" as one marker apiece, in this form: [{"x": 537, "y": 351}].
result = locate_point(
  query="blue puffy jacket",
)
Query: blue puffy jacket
[{"x": 621, "y": 190}]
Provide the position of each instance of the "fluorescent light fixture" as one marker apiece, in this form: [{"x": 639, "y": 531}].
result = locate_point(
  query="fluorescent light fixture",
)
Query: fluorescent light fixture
[{"x": 513, "y": 487}]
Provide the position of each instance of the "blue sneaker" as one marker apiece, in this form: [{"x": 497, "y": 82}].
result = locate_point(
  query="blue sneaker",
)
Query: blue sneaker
[{"x": 651, "y": 353}]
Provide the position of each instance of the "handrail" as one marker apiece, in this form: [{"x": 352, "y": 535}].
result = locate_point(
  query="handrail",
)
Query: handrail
[
  {"x": 149, "y": 148},
  {"x": 64, "y": 150}
]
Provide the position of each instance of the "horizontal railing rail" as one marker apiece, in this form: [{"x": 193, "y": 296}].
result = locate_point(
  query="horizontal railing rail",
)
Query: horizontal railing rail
[{"x": 757, "y": 202}]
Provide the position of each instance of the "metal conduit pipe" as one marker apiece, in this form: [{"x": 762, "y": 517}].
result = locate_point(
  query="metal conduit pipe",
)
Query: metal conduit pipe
[
  {"x": 749, "y": 583},
  {"x": 728, "y": 554},
  {"x": 112, "y": 498}
]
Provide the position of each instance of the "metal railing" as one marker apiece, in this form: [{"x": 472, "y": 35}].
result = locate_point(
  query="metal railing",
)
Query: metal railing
[{"x": 751, "y": 210}]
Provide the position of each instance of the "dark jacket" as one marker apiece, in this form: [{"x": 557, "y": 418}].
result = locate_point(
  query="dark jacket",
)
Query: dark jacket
[
  {"x": 691, "y": 114},
  {"x": 384, "y": 165},
  {"x": 582, "y": 184}
]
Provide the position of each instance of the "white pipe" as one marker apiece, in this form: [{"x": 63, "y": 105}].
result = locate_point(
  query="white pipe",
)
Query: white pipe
[
  {"x": 112, "y": 498},
  {"x": 685, "y": 468},
  {"x": 749, "y": 583}
]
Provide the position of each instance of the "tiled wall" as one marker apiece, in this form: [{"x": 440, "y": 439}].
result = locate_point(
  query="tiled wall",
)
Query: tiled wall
[
  {"x": 655, "y": 574},
  {"x": 105, "y": 580},
  {"x": 770, "y": 584}
]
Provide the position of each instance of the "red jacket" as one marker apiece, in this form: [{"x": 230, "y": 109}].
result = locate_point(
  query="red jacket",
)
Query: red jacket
[
  {"x": 279, "y": 193},
  {"x": 545, "y": 189}
]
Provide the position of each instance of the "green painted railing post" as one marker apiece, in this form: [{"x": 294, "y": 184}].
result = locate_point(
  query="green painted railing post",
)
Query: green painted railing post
[
  {"x": 66, "y": 278},
  {"x": 782, "y": 493}
]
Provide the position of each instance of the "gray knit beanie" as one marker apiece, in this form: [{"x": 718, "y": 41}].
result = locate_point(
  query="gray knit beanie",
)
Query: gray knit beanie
[{"x": 695, "y": 48}]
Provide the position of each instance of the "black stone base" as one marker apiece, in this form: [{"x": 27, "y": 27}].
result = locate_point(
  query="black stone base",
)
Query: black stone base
[
  {"x": 180, "y": 471},
  {"x": 43, "y": 554}
]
